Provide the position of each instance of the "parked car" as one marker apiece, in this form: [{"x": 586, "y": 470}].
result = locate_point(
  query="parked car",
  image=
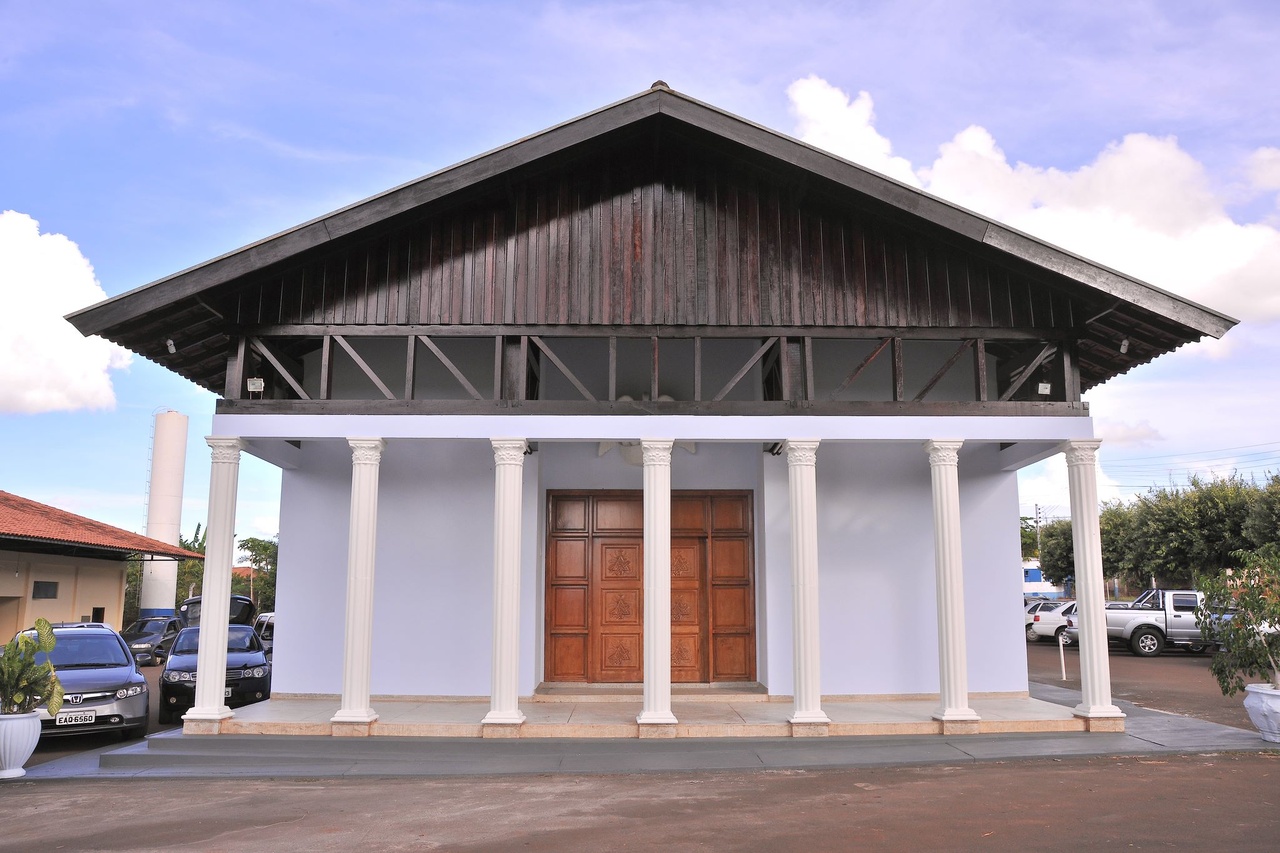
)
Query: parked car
[
  {"x": 266, "y": 628},
  {"x": 149, "y": 639},
  {"x": 1156, "y": 619},
  {"x": 1043, "y": 605},
  {"x": 248, "y": 674},
  {"x": 105, "y": 690},
  {"x": 1052, "y": 624},
  {"x": 242, "y": 611}
]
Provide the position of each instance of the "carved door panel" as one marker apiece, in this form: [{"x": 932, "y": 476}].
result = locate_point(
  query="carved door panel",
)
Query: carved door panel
[
  {"x": 568, "y": 588},
  {"x": 732, "y": 609},
  {"x": 688, "y": 611},
  {"x": 617, "y": 609}
]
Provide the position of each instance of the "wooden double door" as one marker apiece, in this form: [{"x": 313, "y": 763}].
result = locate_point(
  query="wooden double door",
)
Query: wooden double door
[{"x": 595, "y": 587}]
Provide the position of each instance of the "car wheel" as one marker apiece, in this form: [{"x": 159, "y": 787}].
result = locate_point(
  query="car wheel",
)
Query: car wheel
[
  {"x": 1146, "y": 642},
  {"x": 1198, "y": 648},
  {"x": 1032, "y": 636},
  {"x": 1060, "y": 636}
]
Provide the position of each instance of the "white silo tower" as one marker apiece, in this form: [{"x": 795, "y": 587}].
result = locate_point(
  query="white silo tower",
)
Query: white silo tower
[{"x": 164, "y": 512}]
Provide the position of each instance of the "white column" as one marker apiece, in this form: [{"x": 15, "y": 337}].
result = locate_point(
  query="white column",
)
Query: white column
[
  {"x": 504, "y": 699},
  {"x": 215, "y": 591},
  {"x": 953, "y": 667},
  {"x": 657, "y": 583},
  {"x": 362, "y": 536},
  {"x": 801, "y": 477},
  {"x": 1095, "y": 666}
]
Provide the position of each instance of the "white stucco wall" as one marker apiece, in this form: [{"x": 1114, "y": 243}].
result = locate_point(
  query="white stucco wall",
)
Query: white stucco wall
[{"x": 433, "y": 591}]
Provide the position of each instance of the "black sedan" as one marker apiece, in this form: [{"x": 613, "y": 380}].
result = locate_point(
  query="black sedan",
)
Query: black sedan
[{"x": 248, "y": 676}]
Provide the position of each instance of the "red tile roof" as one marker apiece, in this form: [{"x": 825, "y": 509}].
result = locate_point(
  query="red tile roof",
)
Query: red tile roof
[{"x": 24, "y": 519}]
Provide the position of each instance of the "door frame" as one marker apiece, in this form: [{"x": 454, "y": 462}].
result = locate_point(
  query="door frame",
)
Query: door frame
[{"x": 745, "y": 603}]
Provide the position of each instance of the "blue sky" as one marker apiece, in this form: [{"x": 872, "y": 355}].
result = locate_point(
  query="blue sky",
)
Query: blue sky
[{"x": 154, "y": 136}]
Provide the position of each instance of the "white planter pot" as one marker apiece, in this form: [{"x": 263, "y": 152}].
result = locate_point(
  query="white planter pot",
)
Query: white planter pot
[
  {"x": 19, "y": 734},
  {"x": 1262, "y": 701}
]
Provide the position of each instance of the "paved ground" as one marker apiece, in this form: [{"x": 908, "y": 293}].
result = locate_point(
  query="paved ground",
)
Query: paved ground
[{"x": 974, "y": 793}]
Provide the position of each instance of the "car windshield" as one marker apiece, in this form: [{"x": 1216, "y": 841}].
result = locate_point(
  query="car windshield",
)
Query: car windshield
[
  {"x": 240, "y": 638},
  {"x": 147, "y": 626},
  {"x": 83, "y": 651}
]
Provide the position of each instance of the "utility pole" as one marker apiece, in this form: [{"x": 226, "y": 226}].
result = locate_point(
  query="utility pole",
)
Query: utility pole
[{"x": 1037, "y": 528}]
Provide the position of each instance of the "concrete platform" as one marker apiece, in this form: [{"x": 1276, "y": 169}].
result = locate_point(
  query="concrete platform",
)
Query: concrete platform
[
  {"x": 594, "y": 715},
  {"x": 174, "y": 754}
]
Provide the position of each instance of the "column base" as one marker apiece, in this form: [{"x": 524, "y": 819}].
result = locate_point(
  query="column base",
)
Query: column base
[
  {"x": 1100, "y": 718},
  {"x": 488, "y": 729},
  {"x": 656, "y": 718},
  {"x": 810, "y": 729},
  {"x": 504, "y": 718},
  {"x": 351, "y": 729},
  {"x": 201, "y": 727},
  {"x": 657, "y": 730},
  {"x": 956, "y": 715},
  {"x": 805, "y": 718},
  {"x": 207, "y": 714},
  {"x": 361, "y": 717}
]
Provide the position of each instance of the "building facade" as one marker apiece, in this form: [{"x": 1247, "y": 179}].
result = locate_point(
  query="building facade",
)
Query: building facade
[{"x": 655, "y": 397}]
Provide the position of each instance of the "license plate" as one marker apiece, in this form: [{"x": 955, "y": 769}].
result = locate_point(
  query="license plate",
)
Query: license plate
[
  {"x": 227, "y": 693},
  {"x": 75, "y": 718}
]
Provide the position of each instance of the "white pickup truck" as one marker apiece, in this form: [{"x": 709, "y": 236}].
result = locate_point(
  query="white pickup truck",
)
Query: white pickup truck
[{"x": 1155, "y": 619}]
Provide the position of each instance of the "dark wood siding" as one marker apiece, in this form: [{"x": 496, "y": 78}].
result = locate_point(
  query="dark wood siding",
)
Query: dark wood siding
[{"x": 673, "y": 236}]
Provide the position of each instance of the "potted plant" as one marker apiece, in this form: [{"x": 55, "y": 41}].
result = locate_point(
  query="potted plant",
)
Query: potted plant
[
  {"x": 25, "y": 684},
  {"x": 1240, "y": 616}
]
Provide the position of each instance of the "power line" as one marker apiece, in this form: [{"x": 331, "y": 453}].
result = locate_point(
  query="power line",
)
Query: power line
[{"x": 1275, "y": 444}]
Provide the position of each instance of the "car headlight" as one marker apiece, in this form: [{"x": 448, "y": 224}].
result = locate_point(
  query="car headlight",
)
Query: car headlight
[
  {"x": 141, "y": 646},
  {"x": 131, "y": 690},
  {"x": 256, "y": 672},
  {"x": 173, "y": 676}
]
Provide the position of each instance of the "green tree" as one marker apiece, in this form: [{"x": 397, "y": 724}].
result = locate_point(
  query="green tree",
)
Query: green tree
[
  {"x": 132, "y": 592},
  {"x": 262, "y": 555},
  {"x": 1115, "y": 523},
  {"x": 1177, "y": 533},
  {"x": 1262, "y": 527},
  {"x": 190, "y": 572},
  {"x": 1030, "y": 547},
  {"x": 1057, "y": 561}
]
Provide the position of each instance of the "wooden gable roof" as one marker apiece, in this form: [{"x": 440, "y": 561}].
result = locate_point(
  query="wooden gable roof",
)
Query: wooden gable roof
[{"x": 655, "y": 211}]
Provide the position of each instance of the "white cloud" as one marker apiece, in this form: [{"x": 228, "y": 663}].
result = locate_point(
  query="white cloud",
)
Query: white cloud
[
  {"x": 1143, "y": 206},
  {"x": 45, "y": 364},
  {"x": 1264, "y": 168},
  {"x": 828, "y": 120}
]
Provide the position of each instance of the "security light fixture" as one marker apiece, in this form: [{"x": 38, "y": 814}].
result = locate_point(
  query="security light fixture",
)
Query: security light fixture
[
  {"x": 170, "y": 347},
  {"x": 1045, "y": 389},
  {"x": 1124, "y": 346},
  {"x": 254, "y": 385}
]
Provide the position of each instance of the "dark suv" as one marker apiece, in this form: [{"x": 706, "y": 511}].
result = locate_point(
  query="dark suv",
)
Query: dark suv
[
  {"x": 105, "y": 690},
  {"x": 149, "y": 639}
]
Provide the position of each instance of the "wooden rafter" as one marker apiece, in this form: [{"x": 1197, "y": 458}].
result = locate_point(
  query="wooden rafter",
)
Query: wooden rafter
[
  {"x": 857, "y": 371},
  {"x": 942, "y": 371},
  {"x": 560, "y": 365},
  {"x": 1023, "y": 374},
  {"x": 368, "y": 371},
  {"x": 737, "y": 377},
  {"x": 451, "y": 367},
  {"x": 266, "y": 353}
]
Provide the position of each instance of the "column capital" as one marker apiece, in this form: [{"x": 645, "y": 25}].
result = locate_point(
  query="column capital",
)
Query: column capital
[
  {"x": 802, "y": 451},
  {"x": 509, "y": 451},
  {"x": 656, "y": 451},
  {"x": 366, "y": 450},
  {"x": 1082, "y": 451},
  {"x": 224, "y": 449},
  {"x": 943, "y": 452}
]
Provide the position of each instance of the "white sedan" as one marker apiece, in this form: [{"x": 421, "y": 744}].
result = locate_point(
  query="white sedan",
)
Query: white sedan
[
  {"x": 1034, "y": 608},
  {"x": 1052, "y": 624}
]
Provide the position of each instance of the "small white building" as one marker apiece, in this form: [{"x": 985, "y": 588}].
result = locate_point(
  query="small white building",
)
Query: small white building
[{"x": 655, "y": 396}]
